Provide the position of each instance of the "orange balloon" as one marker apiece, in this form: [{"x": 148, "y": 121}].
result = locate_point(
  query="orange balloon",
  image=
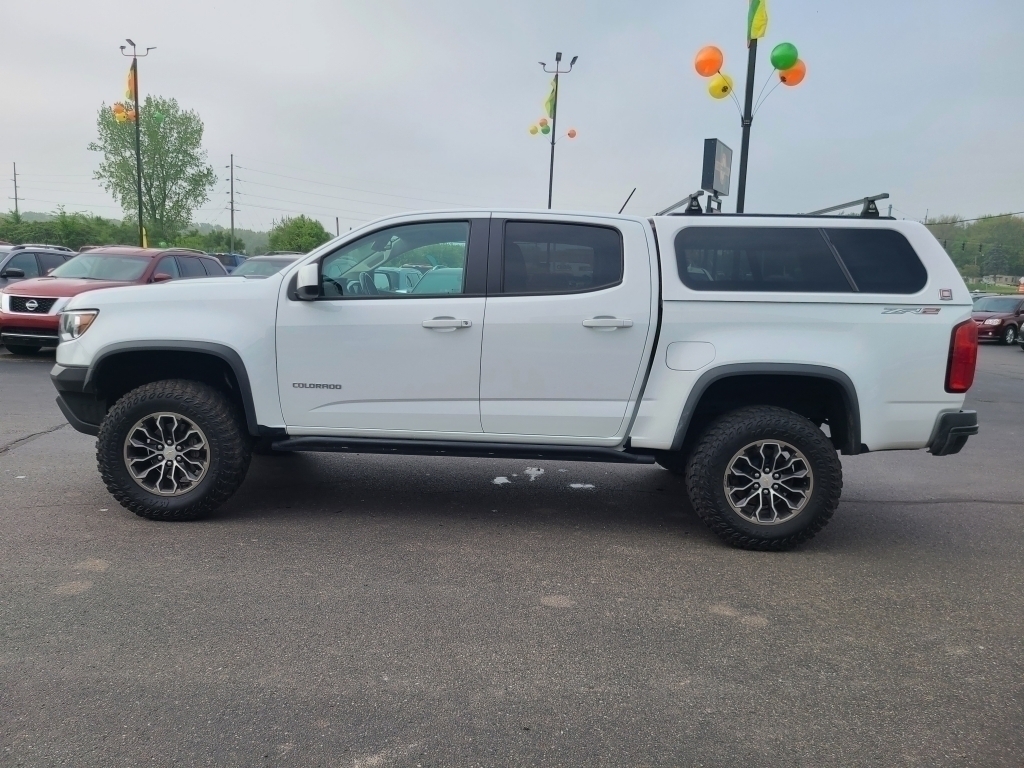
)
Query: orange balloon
[
  {"x": 709, "y": 61},
  {"x": 572, "y": 133},
  {"x": 118, "y": 109},
  {"x": 794, "y": 75}
]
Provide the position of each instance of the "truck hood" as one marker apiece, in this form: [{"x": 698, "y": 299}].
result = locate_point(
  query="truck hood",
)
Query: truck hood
[
  {"x": 176, "y": 295},
  {"x": 58, "y": 286}
]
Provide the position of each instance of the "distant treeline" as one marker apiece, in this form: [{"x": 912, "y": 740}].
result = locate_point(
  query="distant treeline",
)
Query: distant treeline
[
  {"x": 989, "y": 246},
  {"x": 77, "y": 229}
]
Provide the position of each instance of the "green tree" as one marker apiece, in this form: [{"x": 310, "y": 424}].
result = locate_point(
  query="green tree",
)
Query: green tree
[
  {"x": 217, "y": 241},
  {"x": 176, "y": 179},
  {"x": 299, "y": 233}
]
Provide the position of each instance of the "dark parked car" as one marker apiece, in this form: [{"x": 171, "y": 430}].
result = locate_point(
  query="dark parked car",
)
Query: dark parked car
[
  {"x": 231, "y": 261},
  {"x": 265, "y": 266},
  {"x": 30, "y": 309},
  {"x": 999, "y": 318},
  {"x": 22, "y": 262}
]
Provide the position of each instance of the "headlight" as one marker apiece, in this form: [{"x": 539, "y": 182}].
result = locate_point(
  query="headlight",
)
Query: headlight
[
  {"x": 76, "y": 322},
  {"x": 993, "y": 321}
]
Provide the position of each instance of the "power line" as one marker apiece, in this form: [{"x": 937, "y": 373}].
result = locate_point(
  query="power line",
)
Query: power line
[
  {"x": 964, "y": 221},
  {"x": 319, "y": 194},
  {"x": 294, "y": 211},
  {"x": 308, "y": 205},
  {"x": 351, "y": 189},
  {"x": 292, "y": 168}
]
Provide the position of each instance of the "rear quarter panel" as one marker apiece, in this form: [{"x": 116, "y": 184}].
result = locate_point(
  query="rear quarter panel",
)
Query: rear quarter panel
[{"x": 895, "y": 357}]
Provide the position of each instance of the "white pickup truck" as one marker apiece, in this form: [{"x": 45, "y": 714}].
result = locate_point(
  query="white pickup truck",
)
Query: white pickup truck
[{"x": 742, "y": 352}]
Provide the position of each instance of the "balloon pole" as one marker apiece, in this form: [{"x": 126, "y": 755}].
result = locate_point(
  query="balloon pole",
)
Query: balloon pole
[
  {"x": 554, "y": 128},
  {"x": 748, "y": 118},
  {"x": 135, "y": 56}
]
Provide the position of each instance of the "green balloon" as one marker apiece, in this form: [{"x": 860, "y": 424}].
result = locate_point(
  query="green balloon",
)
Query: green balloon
[
  {"x": 784, "y": 56},
  {"x": 545, "y": 130},
  {"x": 159, "y": 117}
]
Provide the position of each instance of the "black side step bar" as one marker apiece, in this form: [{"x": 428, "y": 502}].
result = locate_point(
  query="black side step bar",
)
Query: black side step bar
[{"x": 461, "y": 448}]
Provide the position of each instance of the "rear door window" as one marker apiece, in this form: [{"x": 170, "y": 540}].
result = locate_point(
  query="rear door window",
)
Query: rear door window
[
  {"x": 768, "y": 259},
  {"x": 48, "y": 261},
  {"x": 190, "y": 267},
  {"x": 548, "y": 257},
  {"x": 213, "y": 267},
  {"x": 879, "y": 260}
]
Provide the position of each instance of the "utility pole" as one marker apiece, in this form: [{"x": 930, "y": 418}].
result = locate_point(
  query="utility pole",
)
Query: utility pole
[
  {"x": 554, "y": 114},
  {"x": 232, "y": 246},
  {"x": 16, "y": 214},
  {"x": 748, "y": 119},
  {"x": 138, "y": 131}
]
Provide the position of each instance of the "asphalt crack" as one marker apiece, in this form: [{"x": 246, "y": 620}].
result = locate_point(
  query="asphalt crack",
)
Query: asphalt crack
[{"x": 28, "y": 438}]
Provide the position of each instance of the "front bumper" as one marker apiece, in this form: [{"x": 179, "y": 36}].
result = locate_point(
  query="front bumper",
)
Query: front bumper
[
  {"x": 951, "y": 432},
  {"x": 83, "y": 409},
  {"x": 29, "y": 329}
]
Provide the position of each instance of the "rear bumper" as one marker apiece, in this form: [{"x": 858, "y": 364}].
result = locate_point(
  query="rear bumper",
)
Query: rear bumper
[
  {"x": 84, "y": 410},
  {"x": 951, "y": 432}
]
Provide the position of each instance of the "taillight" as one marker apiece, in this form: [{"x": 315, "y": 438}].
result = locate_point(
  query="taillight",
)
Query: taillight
[{"x": 963, "y": 356}]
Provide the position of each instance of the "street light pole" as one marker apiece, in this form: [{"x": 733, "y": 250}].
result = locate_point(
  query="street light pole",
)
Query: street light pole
[
  {"x": 138, "y": 131},
  {"x": 554, "y": 115}
]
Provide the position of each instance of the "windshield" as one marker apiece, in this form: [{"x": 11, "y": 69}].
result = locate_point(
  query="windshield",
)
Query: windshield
[
  {"x": 261, "y": 267},
  {"x": 95, "y": 266},
  {"x": 996, "y": 304}
]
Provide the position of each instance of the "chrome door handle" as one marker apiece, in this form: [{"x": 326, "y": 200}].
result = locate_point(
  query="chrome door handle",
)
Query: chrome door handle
[
  {"x": 447, "y": 323},
  {"x": 607, "y": 322}
]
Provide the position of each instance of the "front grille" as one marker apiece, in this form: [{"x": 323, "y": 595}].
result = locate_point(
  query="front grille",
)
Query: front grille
[{"x": 38, "y": 306}]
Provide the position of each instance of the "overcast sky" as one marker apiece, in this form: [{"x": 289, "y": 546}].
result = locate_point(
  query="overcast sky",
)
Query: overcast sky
[{"x": 399, "y": 104}]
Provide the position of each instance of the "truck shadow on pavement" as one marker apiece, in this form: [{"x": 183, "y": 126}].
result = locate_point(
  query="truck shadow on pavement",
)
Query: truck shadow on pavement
[{"x": 401, "y": 487}]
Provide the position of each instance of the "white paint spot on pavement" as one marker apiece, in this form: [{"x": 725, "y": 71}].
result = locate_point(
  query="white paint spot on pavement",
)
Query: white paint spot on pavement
[
  {"x": 19, "y": 477},
  {"x": 501, "y": 480},
  {"x": 533, "y": 472},
  {"x": 93, "y": 564},
  {"x": 746, "y": 619},
  {"x": 73, "y": 588},
  {"x": 581, "y": 485}
]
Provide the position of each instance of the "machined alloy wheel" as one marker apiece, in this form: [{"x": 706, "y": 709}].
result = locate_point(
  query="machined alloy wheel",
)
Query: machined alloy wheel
[
  {"x": 764, "y": 477},
  {"x": 768, "y": 482},
  {"x": 173, "y": 449},
  {"x": 1010, "y": 335},
  {"x": 166, "y": 454}
]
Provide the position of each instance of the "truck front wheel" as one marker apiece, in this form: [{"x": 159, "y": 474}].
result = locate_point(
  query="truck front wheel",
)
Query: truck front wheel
[
  {"x": 764, "y": 478},
  {"x": 172, "y": 450}
]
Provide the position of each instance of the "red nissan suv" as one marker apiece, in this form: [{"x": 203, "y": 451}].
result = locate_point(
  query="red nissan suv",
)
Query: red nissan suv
[{"x": 29, "y": 309}]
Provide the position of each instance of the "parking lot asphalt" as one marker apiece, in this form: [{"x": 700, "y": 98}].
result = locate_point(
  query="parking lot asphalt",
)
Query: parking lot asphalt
[{"x": 397, "y": 611}]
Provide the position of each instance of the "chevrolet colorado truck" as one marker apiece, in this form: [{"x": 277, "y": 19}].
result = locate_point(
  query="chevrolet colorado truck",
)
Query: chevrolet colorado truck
[{"x": 741, "y": 352}]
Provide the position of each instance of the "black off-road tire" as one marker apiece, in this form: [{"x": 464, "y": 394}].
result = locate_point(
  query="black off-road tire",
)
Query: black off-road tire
[
  {"x": 673, "y": 461},
  {"x": 22, "y": 349},
  {"x": 211, "y": 411},
  {"x": 708, "y": 464}
]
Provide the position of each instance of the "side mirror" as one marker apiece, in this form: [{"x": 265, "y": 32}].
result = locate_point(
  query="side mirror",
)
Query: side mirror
[
  {"x": 161, "y": 277},
  {"x": 307, "y": 284},
  {"x": 13, "y": 272}
]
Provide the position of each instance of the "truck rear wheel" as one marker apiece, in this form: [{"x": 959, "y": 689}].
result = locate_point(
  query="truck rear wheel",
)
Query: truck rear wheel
[
  {"x": 172, "y": 450},
  {"x": 764, "y": 478}
]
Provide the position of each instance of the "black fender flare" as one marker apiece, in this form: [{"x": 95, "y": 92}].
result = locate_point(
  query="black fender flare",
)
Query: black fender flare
[
  {"x": 708, "y": 378},
  {"x": 221, "y": 351}
]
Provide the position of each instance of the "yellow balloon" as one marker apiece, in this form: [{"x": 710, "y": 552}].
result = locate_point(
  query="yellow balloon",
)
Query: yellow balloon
[
  {"x": 533, "y": 130},
  {"x": 720, "y": 86}
]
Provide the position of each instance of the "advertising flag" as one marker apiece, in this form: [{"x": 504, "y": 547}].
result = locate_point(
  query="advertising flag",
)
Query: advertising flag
[{"x": 757, "y": 19}]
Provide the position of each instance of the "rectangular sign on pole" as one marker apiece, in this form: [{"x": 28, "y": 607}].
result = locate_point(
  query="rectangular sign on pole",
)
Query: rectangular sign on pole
[{"x": 717, "y": 167}]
